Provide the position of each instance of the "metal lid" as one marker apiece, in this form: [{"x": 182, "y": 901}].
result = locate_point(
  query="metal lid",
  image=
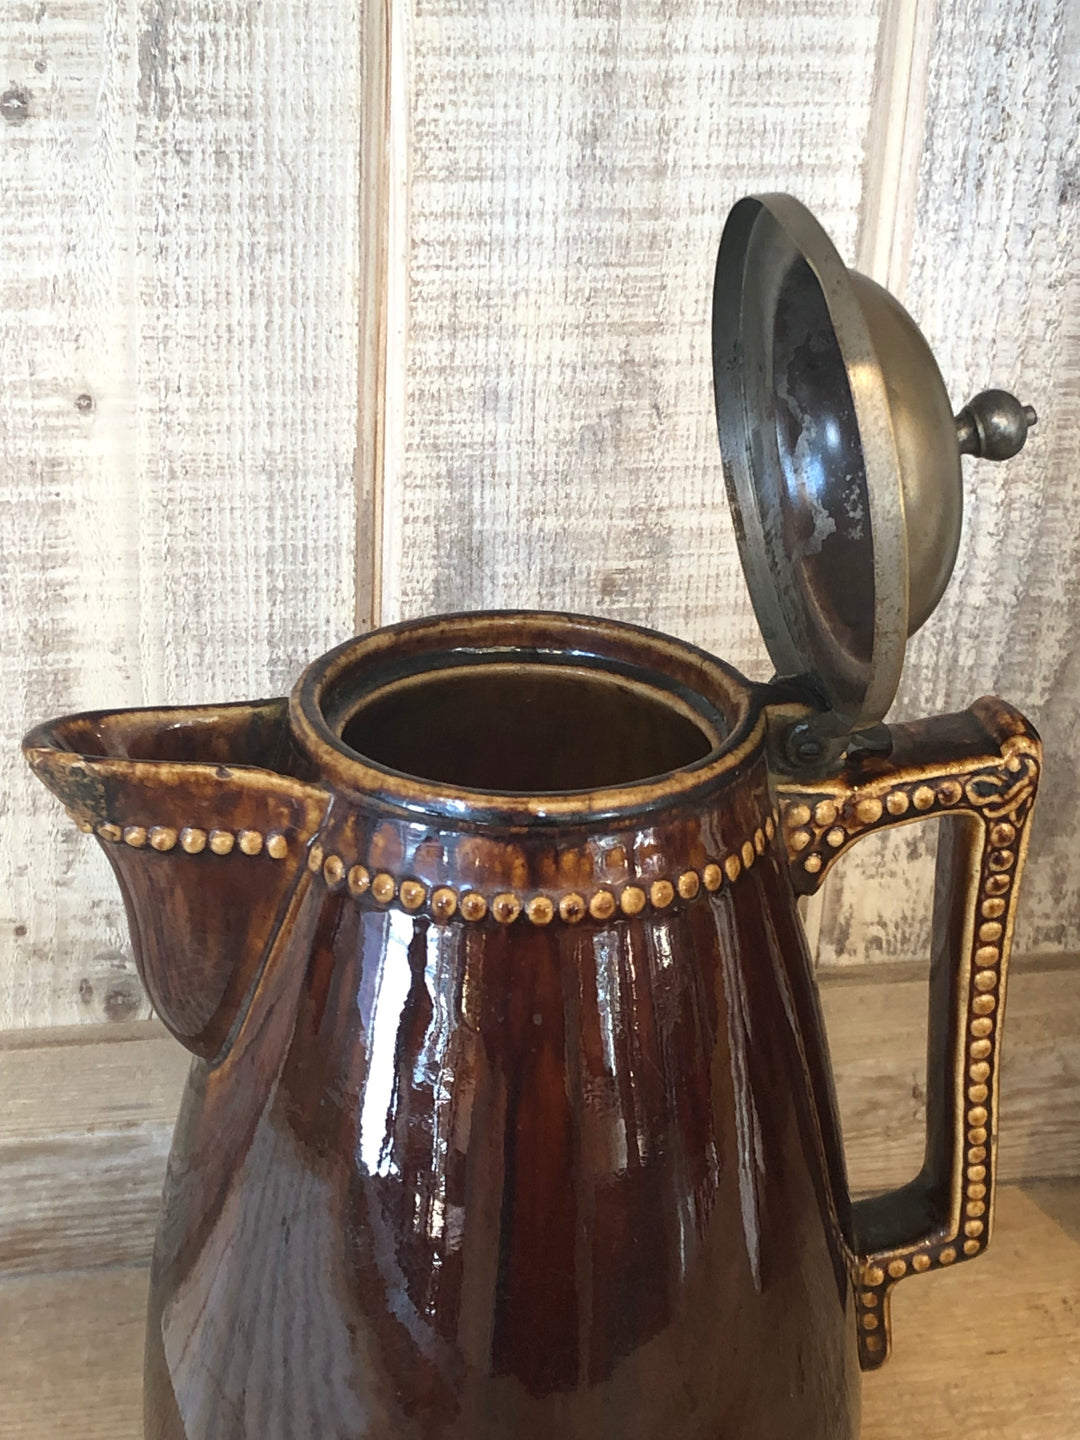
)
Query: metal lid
[{"x": 841, "y": 457}]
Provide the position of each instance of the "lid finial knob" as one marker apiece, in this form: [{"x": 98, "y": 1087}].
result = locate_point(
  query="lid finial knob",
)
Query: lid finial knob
[{"x": 994, "y": 425}]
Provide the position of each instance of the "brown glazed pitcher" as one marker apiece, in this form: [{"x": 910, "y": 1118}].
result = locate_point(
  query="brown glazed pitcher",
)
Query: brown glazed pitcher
[{"x": 510, "y": 1115}]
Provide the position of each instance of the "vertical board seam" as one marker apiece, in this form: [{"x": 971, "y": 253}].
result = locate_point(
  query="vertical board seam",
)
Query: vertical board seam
[
  {"x": 895, "y": 142},
  {"x": 371, "y": 338},
  {"x": 386, "y": 603}
]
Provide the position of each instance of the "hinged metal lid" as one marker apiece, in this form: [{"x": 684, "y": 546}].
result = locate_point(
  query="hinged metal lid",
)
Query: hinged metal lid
[{"x": 841, "y": 457}]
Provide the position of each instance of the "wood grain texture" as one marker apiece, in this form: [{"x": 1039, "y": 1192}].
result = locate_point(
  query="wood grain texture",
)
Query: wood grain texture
[
  {"x": 72, "y": 1355},
  {"x": 178, "y": 419},
  {"x": 462, "y": 257},
  {"x": 69, "y": 542},
  {"x": 988, "y": 1349},
  {"x": 987, "y": 258},
  {"x": 570, "y": 168},
  {"x": 876, "y": 1021},
  {"x": 568, "y": 176},
  {"x": 85, "y": 1130}
]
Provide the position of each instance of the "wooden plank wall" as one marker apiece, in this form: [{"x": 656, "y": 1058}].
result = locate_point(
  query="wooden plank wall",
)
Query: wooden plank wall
[
  {"x": 510, "y": 211},
  {"x": 177, "y": 405},
  {"x": 985, "y": 251}
]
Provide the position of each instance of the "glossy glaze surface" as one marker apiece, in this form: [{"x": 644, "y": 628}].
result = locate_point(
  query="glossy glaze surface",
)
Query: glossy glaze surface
[
  {"x": 511, "y": 1115},
  {"x": 499, "y": 1181}
]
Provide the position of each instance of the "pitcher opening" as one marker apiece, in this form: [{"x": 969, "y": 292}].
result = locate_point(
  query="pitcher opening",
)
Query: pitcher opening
[
  {"x": 531, "y": 725},
  {"x": 522, "y": 715}
]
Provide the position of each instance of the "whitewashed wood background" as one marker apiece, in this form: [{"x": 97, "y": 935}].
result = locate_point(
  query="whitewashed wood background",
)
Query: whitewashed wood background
[{"x": 320, "y": 315}]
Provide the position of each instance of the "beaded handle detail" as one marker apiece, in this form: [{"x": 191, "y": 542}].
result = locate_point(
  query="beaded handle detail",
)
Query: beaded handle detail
[{"x": 980, "y": 769}]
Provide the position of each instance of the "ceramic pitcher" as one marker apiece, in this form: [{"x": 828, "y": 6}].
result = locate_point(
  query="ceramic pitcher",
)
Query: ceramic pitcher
[{"x": 510, "y": 1113}]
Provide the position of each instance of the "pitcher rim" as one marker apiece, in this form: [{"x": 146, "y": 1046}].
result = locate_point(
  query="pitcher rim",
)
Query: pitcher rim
[{"x": 577, "y": 636}]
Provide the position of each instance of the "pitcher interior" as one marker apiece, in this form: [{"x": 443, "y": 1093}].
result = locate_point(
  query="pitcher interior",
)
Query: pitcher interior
[{"x": 530, "y": 725}]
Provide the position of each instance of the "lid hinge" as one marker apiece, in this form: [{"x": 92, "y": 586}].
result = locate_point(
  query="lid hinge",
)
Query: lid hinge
[{"x": 806, "y": 736}]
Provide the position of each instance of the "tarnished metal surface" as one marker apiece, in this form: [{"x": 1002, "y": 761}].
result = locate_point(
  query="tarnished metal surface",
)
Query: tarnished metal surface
[{"x": 841, "y": 456}]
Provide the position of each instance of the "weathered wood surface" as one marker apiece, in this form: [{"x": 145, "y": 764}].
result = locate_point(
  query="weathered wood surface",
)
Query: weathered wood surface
[
  {"x": 179, "y": 349},
  {"x": 985, "y": 252},
  {"x": 71, "y": 1355},
  {"x": 876, "y": 1020},
  {"x": 990, "y": 1349},
  {"x": 987, "y": 1349},
  {"x": 86, "y": 1119},
  {"x": 569, "y": 171},
  {"x": 509, "y": 215},
  {"x": 85, "y": 1129}
]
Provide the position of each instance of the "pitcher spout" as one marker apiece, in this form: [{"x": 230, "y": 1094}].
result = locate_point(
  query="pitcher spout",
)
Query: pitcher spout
[{"x": 205, "y": 815}]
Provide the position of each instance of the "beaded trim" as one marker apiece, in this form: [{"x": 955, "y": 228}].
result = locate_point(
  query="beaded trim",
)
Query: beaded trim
[
  {"x": 878, "y": 1277},
  {"x": 817, "y": 830},
  {"x": 817, "y": 827},
  {"x": 443, "y": 902},
  {"x": 194, "y": 840}
]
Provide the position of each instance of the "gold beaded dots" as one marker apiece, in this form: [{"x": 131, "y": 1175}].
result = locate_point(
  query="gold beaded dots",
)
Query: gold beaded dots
[
  {"x": 540, "y": 910},
  {"x": 981, "y": 1034},
  {"x": 661, "y": 893},
  {"x": 572, "y": 908},
  {"x": 194, "y": 840},
  {"x": 632, "y": 900},
  {"x": 443, "y": 902},
  {"x": 383, "y": 887},
  {"x": 473, "y": 906},
  {"x": 413, "y": 894},
  {"x": 980, "y": 1022},
  {"x": 816, "y": 828},
  {"x": 817, "y": 831},
  {"x": 602, "y": 905},
  {"x": 505, "y": 908}
]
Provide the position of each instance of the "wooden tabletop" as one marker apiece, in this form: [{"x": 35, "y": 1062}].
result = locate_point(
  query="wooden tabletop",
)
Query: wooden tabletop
[{"x": 989, "y": 1349}]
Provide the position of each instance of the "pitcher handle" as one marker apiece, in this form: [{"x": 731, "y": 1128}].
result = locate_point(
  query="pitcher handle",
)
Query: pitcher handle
[{"x": 979, "y": 769}]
